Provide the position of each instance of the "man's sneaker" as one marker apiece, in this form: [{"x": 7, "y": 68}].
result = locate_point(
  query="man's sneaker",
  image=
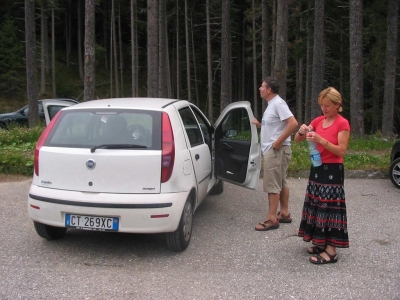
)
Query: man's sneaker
[
  {"x": 284, "y": 219},
  {"x": 267, "y": 225}
]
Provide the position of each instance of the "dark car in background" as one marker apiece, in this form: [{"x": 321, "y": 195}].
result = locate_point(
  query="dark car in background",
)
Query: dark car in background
[
  {"x": 20, "y": 117},
  {"x": 394, "y": 171}
]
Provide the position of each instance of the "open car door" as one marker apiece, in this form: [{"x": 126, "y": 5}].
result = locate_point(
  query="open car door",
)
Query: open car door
[
  {"x": 52, "y": 107},
  {"x": 237, "y": 148}
]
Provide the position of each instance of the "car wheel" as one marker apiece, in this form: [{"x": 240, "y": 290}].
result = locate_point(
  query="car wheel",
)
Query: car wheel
[
  {"x": 218, "y": 188},
  {"x": 394, "y": 172},
  {"x": 179, "y": 239},
  {"x": 49, "y": 232}
]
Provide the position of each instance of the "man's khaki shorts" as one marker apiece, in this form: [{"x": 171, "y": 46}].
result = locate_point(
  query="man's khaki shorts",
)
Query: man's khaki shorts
[{"x": 276, "y": 162}]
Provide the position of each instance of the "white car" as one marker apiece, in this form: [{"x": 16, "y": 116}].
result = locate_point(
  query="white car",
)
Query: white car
[{"x": 138, "y": 165}]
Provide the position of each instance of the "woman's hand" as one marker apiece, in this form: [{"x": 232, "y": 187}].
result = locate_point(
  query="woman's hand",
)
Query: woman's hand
[
  {"x": 312, "y": 136},
  {"x": 303, "y": 129}
]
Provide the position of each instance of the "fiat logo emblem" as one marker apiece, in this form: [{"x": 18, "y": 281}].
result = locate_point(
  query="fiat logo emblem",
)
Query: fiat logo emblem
[{"x": 90, "y": 164}]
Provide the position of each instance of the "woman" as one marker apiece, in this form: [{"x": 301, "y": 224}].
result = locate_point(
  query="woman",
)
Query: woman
[{"x": 324, "y": 220}]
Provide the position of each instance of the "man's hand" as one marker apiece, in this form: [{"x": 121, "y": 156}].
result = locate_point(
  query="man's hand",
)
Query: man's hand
[{"x": 255, "y": 121}]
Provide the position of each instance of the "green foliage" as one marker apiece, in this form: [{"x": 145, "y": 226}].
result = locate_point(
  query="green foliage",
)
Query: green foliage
[
  {"x": 17, "y": 149},
  {"x": 371, "y": 153}
]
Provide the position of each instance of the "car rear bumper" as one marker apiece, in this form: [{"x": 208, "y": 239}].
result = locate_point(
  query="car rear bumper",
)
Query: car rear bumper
[{"x": 137, "y": 213}]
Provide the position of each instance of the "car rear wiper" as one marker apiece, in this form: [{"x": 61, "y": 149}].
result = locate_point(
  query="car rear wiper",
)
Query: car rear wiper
[{"x": 117, "y": 146}]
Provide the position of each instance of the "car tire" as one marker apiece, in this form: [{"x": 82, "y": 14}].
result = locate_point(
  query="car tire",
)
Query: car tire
[
  {"x": 218, "y": 188},
  {"x": 394, "y": 172},
  {"x": 179, "y": 239},
  {"x": 49, "y": 232}
]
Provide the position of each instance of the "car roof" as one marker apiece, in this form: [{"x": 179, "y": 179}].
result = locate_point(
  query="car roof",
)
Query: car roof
[
  {"x": 61, "y": 99},
  {"x": 128, "y": 103}
]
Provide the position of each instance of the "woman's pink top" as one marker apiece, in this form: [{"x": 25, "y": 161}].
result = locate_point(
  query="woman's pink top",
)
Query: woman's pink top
[{"x": 331, "y": 134}]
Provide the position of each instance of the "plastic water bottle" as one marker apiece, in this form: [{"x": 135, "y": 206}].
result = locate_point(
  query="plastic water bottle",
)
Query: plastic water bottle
[{"x": 314, "y": 154}]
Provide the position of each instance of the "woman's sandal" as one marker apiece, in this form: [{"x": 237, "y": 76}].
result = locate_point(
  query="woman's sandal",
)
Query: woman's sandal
[
  {"x": 320, "y": 260},
  {"x": 315, "y": 250}
]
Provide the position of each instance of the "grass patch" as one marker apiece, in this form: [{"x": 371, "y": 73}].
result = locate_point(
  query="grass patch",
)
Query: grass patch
[
  {"x": 17, "y": 149},
  {"x": 371, "y": 153}
]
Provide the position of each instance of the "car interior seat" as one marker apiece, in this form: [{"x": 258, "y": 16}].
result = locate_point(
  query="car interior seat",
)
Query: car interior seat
[{"x": 115, "y": 130}]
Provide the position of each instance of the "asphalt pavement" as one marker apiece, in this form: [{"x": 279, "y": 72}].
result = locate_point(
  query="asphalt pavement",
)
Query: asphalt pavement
[{"x": 227, "y": 258}]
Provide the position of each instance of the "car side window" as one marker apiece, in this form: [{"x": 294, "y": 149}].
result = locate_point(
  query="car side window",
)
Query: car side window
[
  {"x": 236, "y": 125},
  {"x": 191, "y": 126},
  {"x": 203, "y": 127}
]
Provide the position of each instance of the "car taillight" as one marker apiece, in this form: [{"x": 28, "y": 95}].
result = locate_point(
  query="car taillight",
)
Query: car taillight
[
  {"x": 41, "y": 141},
  {"x": 168, "y": 149}
]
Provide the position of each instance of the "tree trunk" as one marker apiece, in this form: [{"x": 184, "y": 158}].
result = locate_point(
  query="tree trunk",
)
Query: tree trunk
[
  {"x": 53, "y": 55},
  {"x": 68, "y": 35},
  {"x": 162, "y": 77},
  {"x": 80, "y": 64},
  {"x": 121, "y": 57},
  {"x": 46, "y": 45},
  {"x": 255, "y": 81},
  {"x": 178, "y": 73},
  {"x": 42, "y": 50},
  {"x": 105, "y": 33},
  {"x": 281, "y": 45},
  {"x": 226, "y": 71},
  {"x": 309, "y": 58},
  {"x": 318, "y": 57},
  {"x": 194, "y": 62},
  {"x": 114, "y": 44},
  {"x": 133, "y": 48},
  {"x": 90, "y": 59},
  {"x": 390, "y": 69},
  {"x": 31, "y": 72},
  {"x": 169, "y": 80},
  {"x": 266, "y": 59},
  {"x": 209, "y": 65},
  {"x": 152, "y": 48},
  {"x": 299, "y": 89},
  {"x": 356, "y": 69},
  {"x": 187, "y": 54},
  {"x": 273, "y": 42}
]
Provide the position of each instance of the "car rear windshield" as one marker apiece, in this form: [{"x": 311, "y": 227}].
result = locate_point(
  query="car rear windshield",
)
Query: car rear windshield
[{"x": 93, "y": 128}]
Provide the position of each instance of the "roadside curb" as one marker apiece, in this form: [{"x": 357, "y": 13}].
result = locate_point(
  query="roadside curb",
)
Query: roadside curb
[{"x": 354, "y": 174}]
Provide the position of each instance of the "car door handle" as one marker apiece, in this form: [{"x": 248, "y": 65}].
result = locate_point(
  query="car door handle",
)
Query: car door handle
[
  {"x": 227, "y": 146},
  {"x": 197, "y": 157}
]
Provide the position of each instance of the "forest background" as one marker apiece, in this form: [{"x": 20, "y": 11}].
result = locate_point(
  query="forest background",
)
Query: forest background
[{"x": 210, "y": 52}]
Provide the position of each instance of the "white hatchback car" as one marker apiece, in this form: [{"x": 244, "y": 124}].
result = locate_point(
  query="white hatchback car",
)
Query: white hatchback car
[{"x": 138, "y": 165}]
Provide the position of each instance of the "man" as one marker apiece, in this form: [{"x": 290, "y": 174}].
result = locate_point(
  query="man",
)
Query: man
[{"x": 278, "y": 123}]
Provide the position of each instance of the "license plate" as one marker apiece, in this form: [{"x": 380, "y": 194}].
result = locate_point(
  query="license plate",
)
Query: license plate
[{"x": 91, "y": 222}]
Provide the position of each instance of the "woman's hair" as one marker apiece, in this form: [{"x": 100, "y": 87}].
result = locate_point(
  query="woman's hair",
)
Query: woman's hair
[{"x": 332, "y": 95}]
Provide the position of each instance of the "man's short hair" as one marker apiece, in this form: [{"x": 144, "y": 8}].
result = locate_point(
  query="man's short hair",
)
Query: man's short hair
[{"x": 273, "y": 83}]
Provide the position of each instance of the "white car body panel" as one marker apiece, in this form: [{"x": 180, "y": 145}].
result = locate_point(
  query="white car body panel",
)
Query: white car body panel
[{"x": 121, "y": 171}]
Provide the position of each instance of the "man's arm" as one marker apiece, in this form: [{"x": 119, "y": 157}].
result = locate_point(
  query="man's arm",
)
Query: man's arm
[{"x": 290, "y": 128}]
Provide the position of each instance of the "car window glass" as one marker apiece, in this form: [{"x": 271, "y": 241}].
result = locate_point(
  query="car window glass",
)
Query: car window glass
[
  {"x": 52, "y": 109},
  {"x": 203, "y": 126},
  {"x": 191, "y": 127},
  {"x": 236, "y": 125},
  {"x": 86, "y": 128}
]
